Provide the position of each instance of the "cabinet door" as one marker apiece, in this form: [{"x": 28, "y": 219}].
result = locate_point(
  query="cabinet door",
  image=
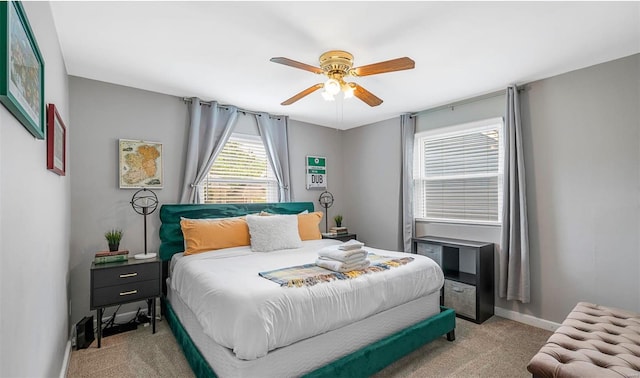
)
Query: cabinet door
[
  {"x": 432, "y": 251},
  {"x": 460, "y": 297}
]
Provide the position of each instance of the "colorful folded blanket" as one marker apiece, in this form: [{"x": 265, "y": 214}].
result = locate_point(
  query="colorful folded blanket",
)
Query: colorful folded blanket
[{"x": 311, "y": 274}]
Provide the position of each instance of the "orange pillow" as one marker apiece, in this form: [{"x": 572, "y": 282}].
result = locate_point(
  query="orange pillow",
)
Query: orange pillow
[
  {"x": 201, "y": 235},
  {"x": 309, "y": 225}
]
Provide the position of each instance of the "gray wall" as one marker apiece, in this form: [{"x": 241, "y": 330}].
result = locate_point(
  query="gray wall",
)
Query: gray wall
[
  {"x": 372, "y": 183},
  {"x": 104, "y": 113},
  {"x": 34, "y": 229},
  {"x": 582, "y": 151},
  {"x": 307, "y": 139}
]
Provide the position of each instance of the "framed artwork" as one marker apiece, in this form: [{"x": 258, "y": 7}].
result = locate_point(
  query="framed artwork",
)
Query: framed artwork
[
  {"x": 140, "y": 164},
  {"x": 316, "y": 172},
  {"x": 21, "y": 69},
  {"x": 56, "y": 142}
]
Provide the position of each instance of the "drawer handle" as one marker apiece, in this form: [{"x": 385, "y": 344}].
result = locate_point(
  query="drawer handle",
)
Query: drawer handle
[
  {"x": 128, "y": 292},
  {"x": 128, "y": 275},
  {"x": 457, "y": 289}
]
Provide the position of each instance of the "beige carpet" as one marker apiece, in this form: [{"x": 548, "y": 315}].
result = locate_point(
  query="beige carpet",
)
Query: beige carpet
[{"x": 496, "y": 348}]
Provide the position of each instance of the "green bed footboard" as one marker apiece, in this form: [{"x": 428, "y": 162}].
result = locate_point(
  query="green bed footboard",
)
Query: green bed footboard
[
  {"x": 375, "y": 357},
  {"x": 361, "y": 363}
]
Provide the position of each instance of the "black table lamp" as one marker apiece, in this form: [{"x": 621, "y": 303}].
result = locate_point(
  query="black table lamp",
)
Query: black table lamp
[
  {"x": 326, "y": 200},
  {"x": 144, "y": 202}
]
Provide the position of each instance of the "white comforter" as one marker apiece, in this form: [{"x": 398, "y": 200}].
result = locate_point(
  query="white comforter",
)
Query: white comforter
[{"x": 252, "y": 315}]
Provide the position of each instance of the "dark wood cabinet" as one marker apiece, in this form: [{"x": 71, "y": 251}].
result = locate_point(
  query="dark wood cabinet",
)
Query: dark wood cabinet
[
  {"x": 468, "y": 268},
  {"x": 123, "y": 282}
]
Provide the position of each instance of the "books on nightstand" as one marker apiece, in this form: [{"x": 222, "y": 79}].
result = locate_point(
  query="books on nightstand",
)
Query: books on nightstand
[
  {"x": 104, "y": 257},
  {"x": 335, "y": 231}
]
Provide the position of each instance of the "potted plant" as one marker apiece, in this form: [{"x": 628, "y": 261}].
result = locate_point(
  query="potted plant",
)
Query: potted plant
[
  {"x": 338, "y": 220},
  {"x": 113, "y": 238}
]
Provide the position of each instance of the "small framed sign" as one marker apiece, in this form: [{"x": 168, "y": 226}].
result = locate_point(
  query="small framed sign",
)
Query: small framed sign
[
  {"x": 56, "y": 142},
  {"x": 316, "y": 172}
]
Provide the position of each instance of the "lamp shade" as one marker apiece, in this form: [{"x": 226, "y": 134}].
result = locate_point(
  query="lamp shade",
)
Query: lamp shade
[{"x": 332, "y": 86}]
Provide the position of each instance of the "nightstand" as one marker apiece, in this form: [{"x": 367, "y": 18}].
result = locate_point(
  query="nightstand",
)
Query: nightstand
[
  {"x": 342, "y": 238},
  {"x": 123, "y": 282}
]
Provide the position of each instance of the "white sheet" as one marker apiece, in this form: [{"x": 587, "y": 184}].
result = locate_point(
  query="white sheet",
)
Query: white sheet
[{"x": 252, "y": 315}]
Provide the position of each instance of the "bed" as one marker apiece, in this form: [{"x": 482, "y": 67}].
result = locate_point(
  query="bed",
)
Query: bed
[{"x": 255, "y": 327}]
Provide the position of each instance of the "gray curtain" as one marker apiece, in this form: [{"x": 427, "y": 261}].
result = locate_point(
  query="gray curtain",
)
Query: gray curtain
[
  {"x": 209, "y": 129},
  {"x": 514, "y": 254},
  {"x": 273, "y": 131},
  {"x": 408, "y": 131}
]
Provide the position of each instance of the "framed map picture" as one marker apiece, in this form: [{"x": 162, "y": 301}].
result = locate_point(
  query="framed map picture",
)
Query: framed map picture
[
  {"x": 21, "y": 69},
  {"x": 140, "y": 164}
]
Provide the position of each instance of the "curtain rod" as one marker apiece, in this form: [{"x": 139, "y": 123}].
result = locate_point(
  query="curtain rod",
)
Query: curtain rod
[
  {"x": 208, "y": 103},
  {"x": 468, "y": 101}
]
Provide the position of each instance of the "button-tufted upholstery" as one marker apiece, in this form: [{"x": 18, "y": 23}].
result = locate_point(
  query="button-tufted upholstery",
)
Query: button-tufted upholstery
[{"x": 593, "y": 341}]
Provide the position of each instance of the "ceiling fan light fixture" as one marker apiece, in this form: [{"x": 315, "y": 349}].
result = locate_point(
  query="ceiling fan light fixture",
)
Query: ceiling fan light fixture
[
  {"x": 338, "y": 64},
  {"x": 347, "y": 89},
  {"x": 332, "y": 86},
  {"x": 327, "y": 96}
]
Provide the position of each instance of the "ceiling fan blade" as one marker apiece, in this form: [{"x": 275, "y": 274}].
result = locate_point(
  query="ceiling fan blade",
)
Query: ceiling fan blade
[
  {"x": 300, "y": 95},
  {"x": 365, "y": 95},
  {"x": 296, "y": 64},
  {"x": 382, "y": 67}
]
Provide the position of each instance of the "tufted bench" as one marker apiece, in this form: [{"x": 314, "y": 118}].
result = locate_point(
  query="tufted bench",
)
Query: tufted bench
[{"x": 593, "y": 341}]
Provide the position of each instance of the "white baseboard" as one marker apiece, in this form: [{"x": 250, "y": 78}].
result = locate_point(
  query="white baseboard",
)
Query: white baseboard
[
  {"x": 526, "y": 319},
  {"x": 65, "y": 361}
]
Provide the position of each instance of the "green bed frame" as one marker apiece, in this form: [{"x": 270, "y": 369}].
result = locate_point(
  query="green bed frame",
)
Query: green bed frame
[{"x": 361, "y": 363}]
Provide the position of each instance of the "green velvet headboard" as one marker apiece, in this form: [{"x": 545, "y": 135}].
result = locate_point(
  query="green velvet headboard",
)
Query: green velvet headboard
[{"x": 171, "y": 240}]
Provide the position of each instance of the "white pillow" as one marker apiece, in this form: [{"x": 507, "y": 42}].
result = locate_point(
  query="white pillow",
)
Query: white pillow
[{"x": 273, "y": 232}]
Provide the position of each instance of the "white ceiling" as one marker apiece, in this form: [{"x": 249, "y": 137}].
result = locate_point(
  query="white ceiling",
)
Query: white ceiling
[{"x": 221, "y": 50}]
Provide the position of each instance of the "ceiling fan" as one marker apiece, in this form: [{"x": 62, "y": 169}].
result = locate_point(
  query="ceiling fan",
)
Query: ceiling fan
[{"x": 336, "y": 65}]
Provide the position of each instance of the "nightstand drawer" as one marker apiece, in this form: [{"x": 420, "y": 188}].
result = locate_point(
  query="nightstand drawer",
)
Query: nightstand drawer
[
  {"x": 125, "y": 274},
  {"x": 129, "y": 292}
]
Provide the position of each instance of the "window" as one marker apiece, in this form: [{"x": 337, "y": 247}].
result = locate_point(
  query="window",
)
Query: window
[
  {"x": 241, "y": 173},
  {"x": 458, "y": 173}
]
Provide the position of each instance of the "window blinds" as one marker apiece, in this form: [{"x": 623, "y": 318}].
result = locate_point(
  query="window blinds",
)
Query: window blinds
[
  {"x": 459, "y": 174},
  {"x": 241, "y": 173}
]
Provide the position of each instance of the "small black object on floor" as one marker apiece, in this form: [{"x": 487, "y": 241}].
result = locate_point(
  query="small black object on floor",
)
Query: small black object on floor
[
  {"x": 84, "y": 332},
  {"x": 112, "y": 329},
  {"x": 119, "y": 328}
]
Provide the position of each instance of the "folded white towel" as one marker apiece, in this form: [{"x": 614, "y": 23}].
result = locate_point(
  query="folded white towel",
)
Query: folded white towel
[
  {"x": 333, "y": 252},
  {"x": 338, "y": 266},
  {"x": 351, "y": 244},
  {"x": 353, "y": 259}
]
